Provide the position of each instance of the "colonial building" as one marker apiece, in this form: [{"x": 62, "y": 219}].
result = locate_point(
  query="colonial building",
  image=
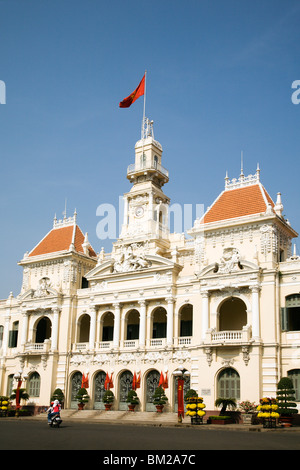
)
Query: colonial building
[{"x": 222, "y": 302}]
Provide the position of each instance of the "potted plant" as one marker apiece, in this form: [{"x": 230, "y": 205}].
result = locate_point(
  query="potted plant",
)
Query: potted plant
[
  {"x": 195, "y": 408},
  {"x": 224, "y": 403},
  {"x": 286, "y": 401},
  {"x": 132, "y": 400},
  {"x": 159, "y": 399},
  {"x": 190, "y": 394},
  {"x": 58, "y": 395},
  {"x": 108, "y": 399},
  {"x": 4, "y": 406},
  {"x": 247, "y": 408},
  {"x": 82, "y": 397},
  {"x": 268, "y": 412}
]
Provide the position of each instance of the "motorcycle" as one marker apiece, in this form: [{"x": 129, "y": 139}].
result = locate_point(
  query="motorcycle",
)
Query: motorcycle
[{"x": 55, "y": 421}]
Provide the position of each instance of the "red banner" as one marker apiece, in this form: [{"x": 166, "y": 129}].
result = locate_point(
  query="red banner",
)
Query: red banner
[
  {"x": 139, "y": 91},
  {"x": 138, "y": 381},
  {"x": 85, "y": 381},
  {"x": 134, "y": 380},
  {"x": 180, "y": 397},
  {"x": 106, "y": 383},
  {"x": 18, "y": 394}
]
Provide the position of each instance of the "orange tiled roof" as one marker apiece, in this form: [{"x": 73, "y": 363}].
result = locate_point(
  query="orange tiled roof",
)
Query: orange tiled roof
[
  {"x": 60, "y": 239},
  {"x": 238, "y": 202}
]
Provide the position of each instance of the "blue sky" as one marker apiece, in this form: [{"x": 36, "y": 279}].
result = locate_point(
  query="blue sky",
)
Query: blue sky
[{"x": 218, "y": 83}]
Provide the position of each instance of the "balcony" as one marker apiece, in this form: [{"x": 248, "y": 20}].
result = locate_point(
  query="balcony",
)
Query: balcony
[
  {"x": 232, "y": 337},
  {"x": 133, "y": 169},
  {"x": 37, "y": 348}
]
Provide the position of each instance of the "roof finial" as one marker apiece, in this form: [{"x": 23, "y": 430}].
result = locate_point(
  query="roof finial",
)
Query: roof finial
[
  {"x": 65, "y": 211},
  {"x": 278, "y": 206},
  {"x": 257, "y": 171},
  {"x": 242, "y": 164}
]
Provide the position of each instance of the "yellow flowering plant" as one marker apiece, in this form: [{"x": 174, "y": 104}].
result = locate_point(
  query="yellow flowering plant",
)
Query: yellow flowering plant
[
  {"x": 267, "y": 408},
  {"x": 4, "y": 405},
  {"x": 195, "y": 408}
]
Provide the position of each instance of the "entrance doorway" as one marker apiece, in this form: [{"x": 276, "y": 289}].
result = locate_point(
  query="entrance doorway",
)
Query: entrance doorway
[
  {"x": 125, "y": 384},
  {"x": 152, "y": 381}
]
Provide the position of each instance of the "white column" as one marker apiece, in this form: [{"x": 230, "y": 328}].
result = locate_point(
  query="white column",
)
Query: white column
[
  {"x": 93, "y": 315},
  {"x": 205, "y": 313},
  {"x": 125, "y": 220},
  {"x": 54, "y": 335},
  {"x": 24, "y": 328},
  {"x": 142, "y": 330},
  {"x": 170, "y": 315},
  {"x": 255, "y": 312},
  {"x": 5, "y": 334},
  {"x": 116, "y": 338}
]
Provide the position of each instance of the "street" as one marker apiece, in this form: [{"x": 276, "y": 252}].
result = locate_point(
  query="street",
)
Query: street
[{"x": 73, "y": 435}]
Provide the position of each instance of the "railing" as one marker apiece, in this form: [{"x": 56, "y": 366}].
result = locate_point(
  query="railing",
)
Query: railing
[
  {"x": 37, "y": 347},
  {"x": 80, "y": 346},
  {"x": 147, "y": 166},
  {"x": 130, "y": 344},
  {"x": 185, "y": 341},
  {"x": 229, "y": 336},
  {"x": 157, "y": 342},
  {"x": 34, "y": 347}
]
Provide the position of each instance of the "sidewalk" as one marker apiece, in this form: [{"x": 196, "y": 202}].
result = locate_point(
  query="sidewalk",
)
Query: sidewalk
[{"x": 152, "y": 419}]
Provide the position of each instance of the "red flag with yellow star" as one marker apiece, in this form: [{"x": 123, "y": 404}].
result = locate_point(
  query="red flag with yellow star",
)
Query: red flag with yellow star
[{"x": 139, "y": 91}]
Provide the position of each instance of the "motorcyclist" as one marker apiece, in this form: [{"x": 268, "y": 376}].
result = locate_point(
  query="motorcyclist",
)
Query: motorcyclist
[{"x": 54, "y": 410}]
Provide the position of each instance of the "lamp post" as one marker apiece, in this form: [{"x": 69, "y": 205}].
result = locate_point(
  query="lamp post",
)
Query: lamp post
[
  {"x": 181, "y": 373},
  {"x": 19, "y": 378}
]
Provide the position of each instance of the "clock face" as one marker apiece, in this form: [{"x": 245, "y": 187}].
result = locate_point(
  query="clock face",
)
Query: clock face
[{"x": 139, "y": 211}]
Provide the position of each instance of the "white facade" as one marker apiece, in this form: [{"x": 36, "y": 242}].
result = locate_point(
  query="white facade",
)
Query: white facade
[{"x": 223, "y": 303}]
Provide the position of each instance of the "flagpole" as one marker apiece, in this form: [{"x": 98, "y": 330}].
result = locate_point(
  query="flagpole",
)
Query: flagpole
[{"x": 144, "y": 115}]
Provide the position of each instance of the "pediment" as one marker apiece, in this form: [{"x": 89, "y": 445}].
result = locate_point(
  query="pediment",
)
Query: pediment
[
  {"x": 236, "y": 268},
  {"x": 43, "y": 291},
  {"x": 136, "y": 265},
  {"x": 36, "y": 294}
]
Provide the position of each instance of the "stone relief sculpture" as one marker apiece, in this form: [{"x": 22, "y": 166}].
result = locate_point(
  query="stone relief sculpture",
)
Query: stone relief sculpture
[
  {"x": 129, "y": 262},
  {"x": 43, "y": 289},
  {"x": 229, "y": 262}
]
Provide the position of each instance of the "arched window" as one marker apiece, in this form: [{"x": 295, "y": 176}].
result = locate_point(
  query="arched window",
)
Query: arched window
[
  {"x": 133, "y": 323},
  {"x": 232, "y": 315},
  {"x": 186, "y": 320},
  {"x": 34, "y": 384},
  {"x": 228, "y": 385},
  {"x": 108, "y": 327},
  {"x": 10, "y": 384},
  {"x": 43, "y": 330},
  {"x": 159, "y": 328},
  {"x": 84, "y": 329},
  {"x": 294, "y": 375},
  {"x": 290, "y": 314}
]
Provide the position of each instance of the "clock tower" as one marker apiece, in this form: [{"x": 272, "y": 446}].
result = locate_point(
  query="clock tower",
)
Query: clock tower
[{"x": 146, "y": 207}]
